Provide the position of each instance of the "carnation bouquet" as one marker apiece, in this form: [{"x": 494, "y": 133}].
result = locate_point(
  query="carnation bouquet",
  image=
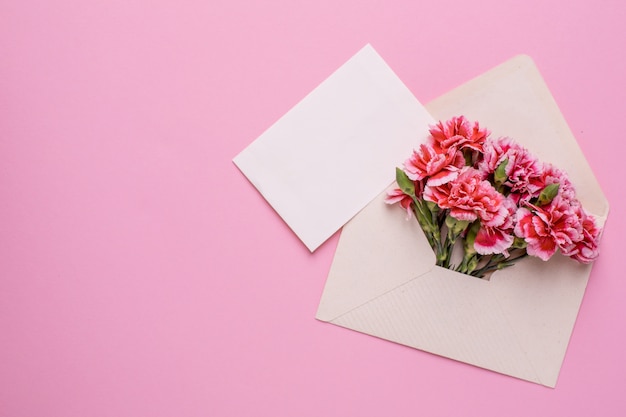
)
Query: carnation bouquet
[{"x": 486, "y": 203}]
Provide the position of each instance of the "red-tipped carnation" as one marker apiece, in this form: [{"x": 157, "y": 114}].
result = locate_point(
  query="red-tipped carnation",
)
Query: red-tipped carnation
[
  {"x": 458, "y": 133},
  {"x": 434, "y": 167},
  {"x": 586, "y": 249},
  {"x": 398, "y": 196},
  {"x": 469, "y": 197},
  {"x": 548, "y": 228}
]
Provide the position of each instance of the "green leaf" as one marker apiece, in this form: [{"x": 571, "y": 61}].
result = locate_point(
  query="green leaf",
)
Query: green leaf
[
  {"x": 405, "y": 183},
  {"x": 548, "y": 194},
  {"x": 499, "y": 176}
]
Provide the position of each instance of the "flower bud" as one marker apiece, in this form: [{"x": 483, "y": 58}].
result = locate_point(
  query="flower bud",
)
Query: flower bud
[
  {"x": 499, "y": 176},
  {"x": 519, "y": 243},
  {"x": 470, "y": 237},
  {"x": 456, "y": 227},
  {"x": 548, "y": 194}
]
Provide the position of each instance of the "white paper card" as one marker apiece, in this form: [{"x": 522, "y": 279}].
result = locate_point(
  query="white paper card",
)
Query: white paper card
[{"x": 332, "y": 153}]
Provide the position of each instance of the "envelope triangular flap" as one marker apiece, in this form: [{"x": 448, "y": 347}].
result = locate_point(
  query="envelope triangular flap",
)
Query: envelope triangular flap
[
  {"x": 520, "y": 322},
  {"x": 526, "y": 112}
]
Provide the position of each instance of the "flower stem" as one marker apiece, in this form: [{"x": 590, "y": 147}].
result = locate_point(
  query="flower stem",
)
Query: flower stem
[
  {"x": 497, "y": 262},
  {"x": 417, "y": 210}
]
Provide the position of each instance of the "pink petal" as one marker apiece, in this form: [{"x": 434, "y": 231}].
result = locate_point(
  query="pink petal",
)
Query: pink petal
[
  {"x": 541, "y": 248},
  {"x": 442, "y": 177},
  {"x": 492, "y": 241},
  {"x": 395, "y": 195},
  {"x": 460, "y": 214}
]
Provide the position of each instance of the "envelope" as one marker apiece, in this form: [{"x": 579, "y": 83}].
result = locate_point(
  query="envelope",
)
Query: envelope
[
  {"x": 331, "y": 153},
  {"x": 383, "y": 280}
]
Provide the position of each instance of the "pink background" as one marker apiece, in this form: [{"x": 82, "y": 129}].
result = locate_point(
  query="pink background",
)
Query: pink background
[{"x": 142, "y": 275}]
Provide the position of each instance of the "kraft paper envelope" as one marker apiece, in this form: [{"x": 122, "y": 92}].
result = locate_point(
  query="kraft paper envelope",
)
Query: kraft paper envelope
[
  {"x": 356, "y": 124},
  {"x": 384, "y": 282}
]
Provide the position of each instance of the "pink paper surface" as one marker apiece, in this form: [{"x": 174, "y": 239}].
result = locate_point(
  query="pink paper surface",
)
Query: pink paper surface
[{"x": 142, "y": 275}]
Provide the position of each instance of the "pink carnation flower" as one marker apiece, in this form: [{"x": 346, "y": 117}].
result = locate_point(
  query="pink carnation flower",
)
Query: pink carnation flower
[
  {"x": 398, "y": 196},
  {"x": 495, "y": 240},
  {"x": 586, "y": 249},
  {"x": 524, "y": 172},
  {"x": 494, "y": 152},
  {"x": 549, "y": 227},
  {"x": 553, "y": 175},
  {"x": 436, "y": 167},
  {"x": 469, "y": 197},
  {"x": 458, "y": 133}
]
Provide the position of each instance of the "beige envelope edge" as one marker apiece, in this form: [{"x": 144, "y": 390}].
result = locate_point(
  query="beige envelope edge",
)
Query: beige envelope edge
[{"x": 383, "y": 281}]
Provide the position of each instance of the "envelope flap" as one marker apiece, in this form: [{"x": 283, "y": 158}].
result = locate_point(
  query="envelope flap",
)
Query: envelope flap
[
  {"x": 513, "y": 100},
  {"x": 378, "y": 251}
]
